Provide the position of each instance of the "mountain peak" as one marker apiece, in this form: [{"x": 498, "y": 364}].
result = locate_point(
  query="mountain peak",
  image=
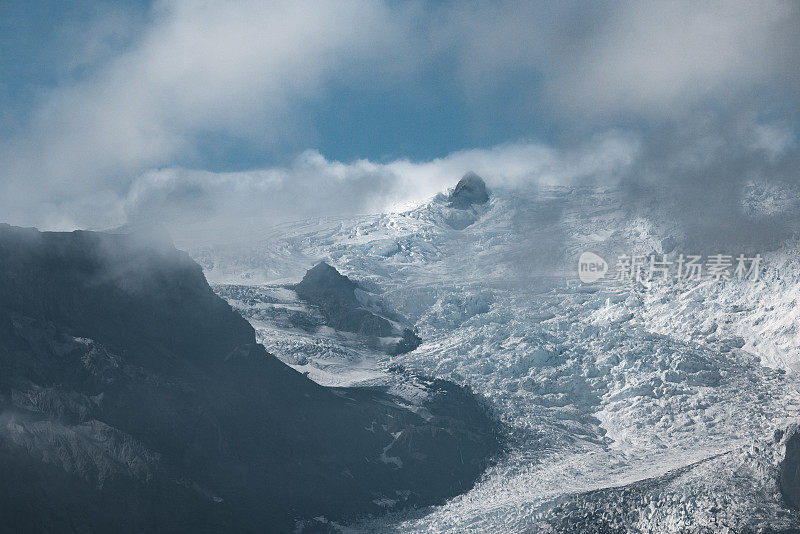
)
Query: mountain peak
[
  {"x": 471, "y": 189},
  {"x": 335, "y": 295}
]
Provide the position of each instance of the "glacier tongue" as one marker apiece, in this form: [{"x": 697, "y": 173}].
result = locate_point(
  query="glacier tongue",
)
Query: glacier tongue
[{"x": 627, "y": 407}]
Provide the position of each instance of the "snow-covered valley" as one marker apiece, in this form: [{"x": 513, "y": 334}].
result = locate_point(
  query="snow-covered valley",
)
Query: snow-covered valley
[{"x": 628, "y": 407}]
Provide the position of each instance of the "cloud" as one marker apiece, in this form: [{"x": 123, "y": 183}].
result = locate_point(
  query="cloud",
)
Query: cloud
[
  {"x": 655, "y": 59},
  {"x": 142, "y": 98},
  {"x": 212, "y": 66},
  {"x": 698, "y": 170},
  {"x": 202, "y": 206},
  {"x": 656, "y": 56}
]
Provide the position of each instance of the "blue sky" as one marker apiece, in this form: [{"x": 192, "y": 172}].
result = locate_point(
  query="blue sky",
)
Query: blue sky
[
  {"x": 105, "y": 106},
  {"x": 426, "y": 115}
]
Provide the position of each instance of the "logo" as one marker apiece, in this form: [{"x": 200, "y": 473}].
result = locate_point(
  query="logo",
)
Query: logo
[{"x": 591, "y": 267}]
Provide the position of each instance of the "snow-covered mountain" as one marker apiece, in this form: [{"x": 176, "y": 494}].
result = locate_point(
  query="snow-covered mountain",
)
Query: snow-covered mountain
[{"x": 652, "y": 407}]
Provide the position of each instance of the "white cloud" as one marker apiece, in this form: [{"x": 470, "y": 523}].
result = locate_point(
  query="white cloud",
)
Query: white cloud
[
  {"x": 91, "y": 152},
  {"x": 652, "y": 58},
  {"x": 199, "y": 67},
  {"x": 200, "y": 205}
]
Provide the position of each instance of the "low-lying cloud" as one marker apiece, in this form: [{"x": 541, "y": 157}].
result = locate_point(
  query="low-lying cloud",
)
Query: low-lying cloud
[{"x": 201, "y": 206}]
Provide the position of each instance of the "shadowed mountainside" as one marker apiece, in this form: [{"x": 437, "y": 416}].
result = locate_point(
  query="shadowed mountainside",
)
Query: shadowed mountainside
[{"x": 132, "y": 398}]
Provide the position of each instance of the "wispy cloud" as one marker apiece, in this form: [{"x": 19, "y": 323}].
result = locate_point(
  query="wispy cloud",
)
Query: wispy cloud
[
  {"x": 201, "y": 205},
  {"x": 200, "y": 67}
]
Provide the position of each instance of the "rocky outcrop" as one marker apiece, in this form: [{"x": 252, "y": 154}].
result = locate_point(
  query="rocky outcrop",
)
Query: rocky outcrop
[
  {"x": 789, "y": 476},
  {"x": 470, "y": 190},
  {"x": 408, "y": 342},
  {"x": 133, "y": 399},
  {"x": 335, "y": 296}
]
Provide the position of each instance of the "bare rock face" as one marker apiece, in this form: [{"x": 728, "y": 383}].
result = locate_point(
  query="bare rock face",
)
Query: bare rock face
[
  {"x": 335, "y": 296},
  {"x": 470, "y": 190},
  {"x": 790, "y": 468},
  {"x": 133, "y": 399}
]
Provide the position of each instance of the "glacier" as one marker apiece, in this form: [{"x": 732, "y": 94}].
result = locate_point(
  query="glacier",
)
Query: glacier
[{"x": 628, "y": 407}]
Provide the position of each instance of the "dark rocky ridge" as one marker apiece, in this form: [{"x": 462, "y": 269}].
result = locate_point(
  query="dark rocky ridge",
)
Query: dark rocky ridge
[
  {"x": 134, "y": 399},
  {"x": 789, "y": 473},
  {"x": 335, "y": 296}
]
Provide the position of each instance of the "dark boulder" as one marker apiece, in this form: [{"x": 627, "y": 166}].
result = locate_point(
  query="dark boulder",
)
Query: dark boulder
[{"x": 471, "y": 189}]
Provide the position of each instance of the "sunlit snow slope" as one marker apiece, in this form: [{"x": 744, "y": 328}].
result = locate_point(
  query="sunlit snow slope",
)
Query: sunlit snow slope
[{"x": 640, "y": 409}]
